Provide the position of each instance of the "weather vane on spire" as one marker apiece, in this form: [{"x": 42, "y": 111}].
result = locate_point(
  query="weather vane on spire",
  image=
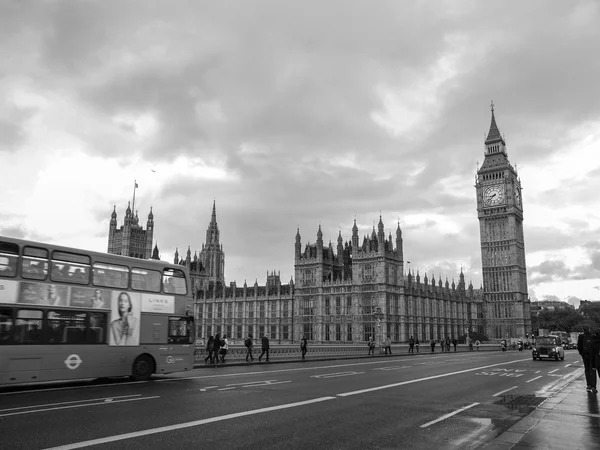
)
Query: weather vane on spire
[{"x": 492, "y": 105}]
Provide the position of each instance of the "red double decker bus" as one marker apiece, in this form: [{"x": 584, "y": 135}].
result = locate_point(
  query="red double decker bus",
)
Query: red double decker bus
[{"x": 70, "y": 314}]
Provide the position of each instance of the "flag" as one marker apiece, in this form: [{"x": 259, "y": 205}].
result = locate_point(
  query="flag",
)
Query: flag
[{"x": 136, "y": 185}]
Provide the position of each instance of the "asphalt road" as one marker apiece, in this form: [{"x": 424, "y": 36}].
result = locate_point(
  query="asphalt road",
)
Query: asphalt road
[{"x": 444, "y": 400}]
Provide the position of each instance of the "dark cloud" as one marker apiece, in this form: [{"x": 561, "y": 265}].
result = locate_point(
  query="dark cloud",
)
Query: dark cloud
[{"x": 282, "y": 97}]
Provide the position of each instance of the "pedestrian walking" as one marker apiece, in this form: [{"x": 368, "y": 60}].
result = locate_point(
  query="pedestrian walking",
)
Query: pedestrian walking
[
  {"x": 265, "y": 347},
  {"x": 209, "y": 349},
  {"x": 477, "y": 344},
  {"x": 371, "y": 345},
  {"x": 585, "y": 347},
  {"x": 216, "y": 347},
  {"x": 432, "y": 344},
  {"x": 248, "y": 344},
  {"x": 447, "y": 343},
  {"x": 417, "y": 344},
  {"x": 303, "y": 345},
  {"x": 388, "y": 345},
  {"x": 224, "y": 348},
  {"x": 411, "y": 345}
]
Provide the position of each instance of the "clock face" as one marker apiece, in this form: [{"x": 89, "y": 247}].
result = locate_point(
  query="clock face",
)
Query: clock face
[
  {"x": 517, "y": 196},
  {"x": 494, "y": 195}
]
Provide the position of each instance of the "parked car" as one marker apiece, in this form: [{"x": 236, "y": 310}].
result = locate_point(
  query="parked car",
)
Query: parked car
[{"x": 548, "y": 347}]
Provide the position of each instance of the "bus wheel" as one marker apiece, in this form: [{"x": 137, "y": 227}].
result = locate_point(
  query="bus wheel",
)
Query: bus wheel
[{"x": 143, "y": 367}]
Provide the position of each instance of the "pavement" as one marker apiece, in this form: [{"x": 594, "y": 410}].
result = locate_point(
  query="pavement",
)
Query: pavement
[{"x": 569, "y": 419}]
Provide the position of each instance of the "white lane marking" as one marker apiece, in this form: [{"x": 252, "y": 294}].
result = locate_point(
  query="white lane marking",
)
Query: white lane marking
[
  {"x": 505, "y": 390},
  {"x": 77, "y": 406},
  {"x": 207, "y": 388},
  {"x": 248, "y": 383},
  {"x": 392, "y": 368},
  {"x": 295, "y": 369},
  {"x": 35, "y": 391},
  {"x": 121, "y": 437},
  {"x": 568, "y": 365},
  {"x": 71, "y": 402},
  {"x": 269, "y": 383},
  {"x": 387, "y": 386},
  {"x": 335, "y": 375},
  {"x": 529, "y": 381},
  {"x": 445, "y": 416},
  {"x": 552, "y": 371},
  {"x": 225, "y": 389},
  {"x": 537, "y": 371}
]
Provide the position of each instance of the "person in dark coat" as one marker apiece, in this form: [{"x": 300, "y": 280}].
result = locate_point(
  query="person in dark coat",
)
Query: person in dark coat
[
  {"x": 303, "y": 346},
  {"x": 217, "y": 343},
  {"x": 587, "y": 346},
  {"x": 209, "y": 349},
  {"x": 248, "y": 344},
  {"x": 265, "y": 347}
]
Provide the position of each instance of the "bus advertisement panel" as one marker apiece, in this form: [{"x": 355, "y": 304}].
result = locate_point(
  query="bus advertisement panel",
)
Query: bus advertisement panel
[{"x": 73, "y": 314}]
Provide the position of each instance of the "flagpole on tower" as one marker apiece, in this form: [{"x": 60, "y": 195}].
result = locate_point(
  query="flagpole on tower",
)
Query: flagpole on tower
[{"x": 135, "y": 185}]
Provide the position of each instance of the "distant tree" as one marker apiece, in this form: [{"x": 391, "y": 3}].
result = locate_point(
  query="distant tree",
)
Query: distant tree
[
  {"x": 568, "y": 320},
  {"x": 591, "y": 311}
]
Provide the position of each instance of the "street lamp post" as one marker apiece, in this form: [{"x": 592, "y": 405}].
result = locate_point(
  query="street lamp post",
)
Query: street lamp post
[{"x": 378, "y": 314}]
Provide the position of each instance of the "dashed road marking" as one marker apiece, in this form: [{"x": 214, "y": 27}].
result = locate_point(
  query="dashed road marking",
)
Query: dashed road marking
[
  {"x": 505, "y": 390},
  {"x": 529, "y": 381},
  {"x": 445, "y": 416}
]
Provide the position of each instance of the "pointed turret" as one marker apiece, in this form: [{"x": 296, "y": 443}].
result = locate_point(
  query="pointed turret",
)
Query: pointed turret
[
  {"x": 319, "y": 238},
  {"x": 176, "y": 259},
  {"x": 354, "y": 235},
  {"x": 155, "y": 254},
  {"x": 399, "y": 245},
  {"x": 380, "y": 232},
  {"x": 298, "y": 244}
]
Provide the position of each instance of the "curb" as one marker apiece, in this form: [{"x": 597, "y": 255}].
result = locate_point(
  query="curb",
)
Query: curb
[{"x": 514, "y": 434}]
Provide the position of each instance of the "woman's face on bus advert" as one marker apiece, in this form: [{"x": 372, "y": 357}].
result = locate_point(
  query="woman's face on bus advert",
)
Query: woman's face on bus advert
[{"x": 124, "y": 303}]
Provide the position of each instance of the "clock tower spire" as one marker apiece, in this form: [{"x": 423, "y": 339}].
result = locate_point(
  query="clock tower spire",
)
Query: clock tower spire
[{"x": 500, "y": 213}]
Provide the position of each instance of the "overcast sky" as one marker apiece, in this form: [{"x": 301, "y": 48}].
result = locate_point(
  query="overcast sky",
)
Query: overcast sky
[{"x": 295, "y": 114}]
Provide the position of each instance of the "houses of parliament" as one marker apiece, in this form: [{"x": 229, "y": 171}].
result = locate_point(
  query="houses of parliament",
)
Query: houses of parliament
[{"x": 360, "y": 289}]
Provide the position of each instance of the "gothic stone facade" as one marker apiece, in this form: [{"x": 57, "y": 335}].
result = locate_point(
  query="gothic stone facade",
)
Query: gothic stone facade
[
  {"x": 500, "y": 213},
  {"x": 360, "y": 292},
  {"x": 131, "y": 239}
]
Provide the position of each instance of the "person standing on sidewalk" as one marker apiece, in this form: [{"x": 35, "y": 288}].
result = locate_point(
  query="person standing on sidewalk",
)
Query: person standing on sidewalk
[
  {"x": 411, "y": 345},
  {"x": 248, "y": 344},
  {"x": 417, "y": 344},
  {"x": 388, "y": 345},
  {"x": 432, "y": 344},
  {"x": 585, "y": 344},
  {"x": 224, "y": 348},
  {"x": 371, "y": 345},
  {"x": 303, "y": 344},
  {"x": 265, "y": 347}
]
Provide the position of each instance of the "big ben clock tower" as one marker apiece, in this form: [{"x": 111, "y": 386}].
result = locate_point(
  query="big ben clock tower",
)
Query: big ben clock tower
[{"x": 500, "y": 213}]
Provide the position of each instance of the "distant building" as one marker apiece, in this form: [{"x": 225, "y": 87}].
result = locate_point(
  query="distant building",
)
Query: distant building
[
  {"x": 238, "y": 311},
  {"x": 358, "y": 293},
  {"x": 361, "y": 291},
  {"x": 131, "y": 239},
  {"x": 500, "y": 212},
  {"x": 550, "y": 305}
]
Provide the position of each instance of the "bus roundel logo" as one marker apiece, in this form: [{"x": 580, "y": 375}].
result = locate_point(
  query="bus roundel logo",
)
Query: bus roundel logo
[{"x": 73, "y": 361}]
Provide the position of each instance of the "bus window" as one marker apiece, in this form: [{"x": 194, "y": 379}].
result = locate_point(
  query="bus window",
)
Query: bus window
[
  {"x": 28, "y": 327},
  {"x": 6, "y": 326},
  {"x": 174, "y": 282},
  {"x": 145, "y": 280},
  {"x": 181, "y": 330},
  {"x": 8, "y": 259},
  {"x": 70, "y": 267},
  {"x": 8, "y": 265},
  {"x": 35, "y": 263},
  {"x": 110, "y": 275},
  {"x": 96, "y": 331}
]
